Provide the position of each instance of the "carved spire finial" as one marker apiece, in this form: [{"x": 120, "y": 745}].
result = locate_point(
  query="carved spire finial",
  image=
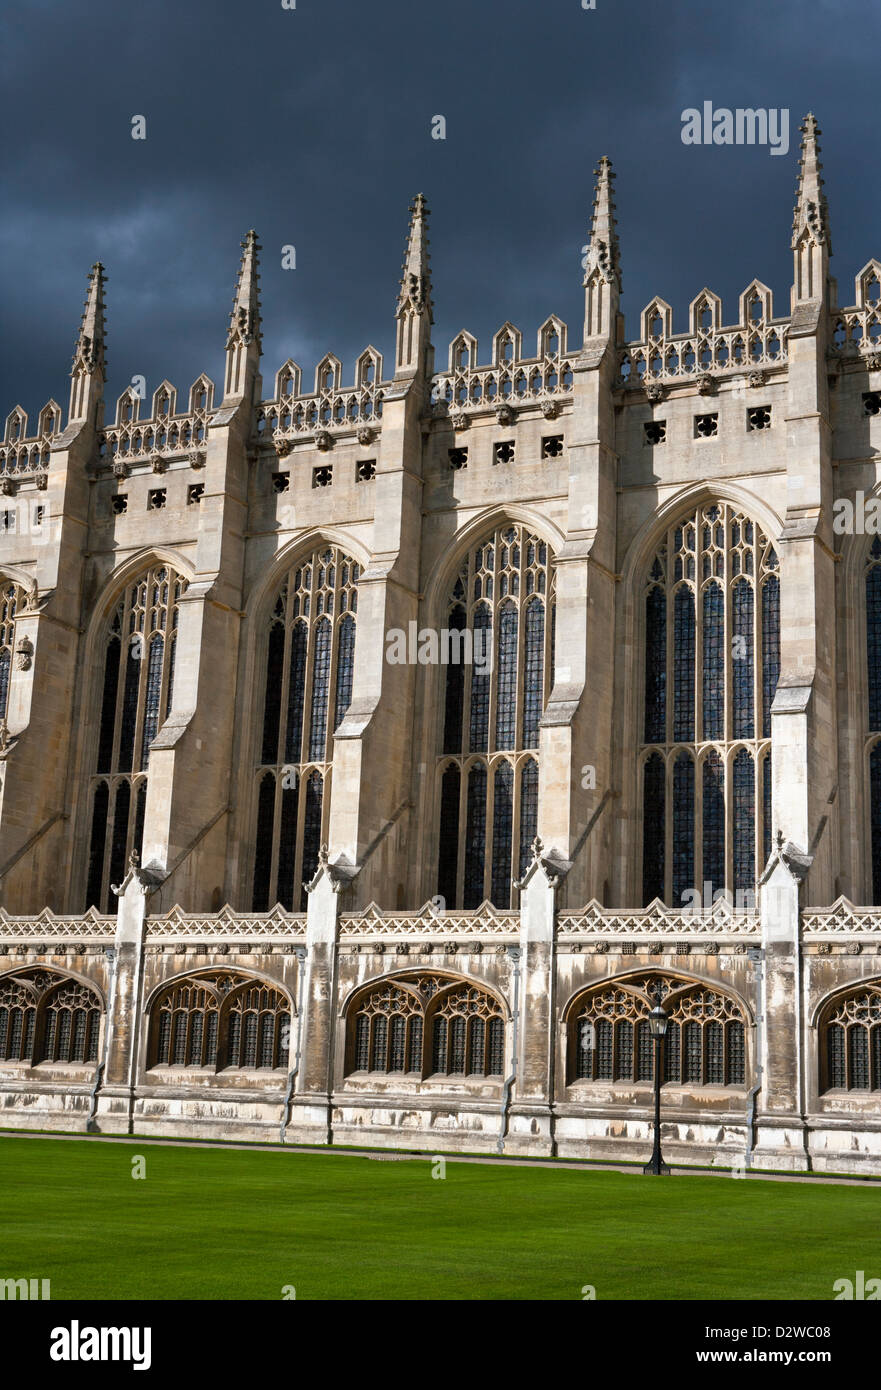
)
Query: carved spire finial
[
  {"x": 90, "y": 343},
  {"x": 244, "y": 323},
  {"x": 603, "y": 252},
  {"x": 811, "y": 209},
  {"x": 416, "y": 277}
]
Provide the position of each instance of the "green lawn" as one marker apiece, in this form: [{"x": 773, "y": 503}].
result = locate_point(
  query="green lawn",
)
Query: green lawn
[{"x": 215, "y": 1223}]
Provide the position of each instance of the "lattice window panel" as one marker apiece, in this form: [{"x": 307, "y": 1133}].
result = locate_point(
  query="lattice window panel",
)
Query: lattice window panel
[
  {"x": 137, "y": 691},
  {"x": 465, "y": 1034},
  {"x": 310, "y": 656},
  {"x": 850, "y": 1041},
  {"x": 488, "y": 814},
  {"x": 609, "y": 1036},
  {"x": 711, "y": 665}
]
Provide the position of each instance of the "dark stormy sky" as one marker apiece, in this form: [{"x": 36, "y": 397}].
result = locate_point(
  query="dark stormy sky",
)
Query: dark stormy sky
[{"x": 314, "y": 126}]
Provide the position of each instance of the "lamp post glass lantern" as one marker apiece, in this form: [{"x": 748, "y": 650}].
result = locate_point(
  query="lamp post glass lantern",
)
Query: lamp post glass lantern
[{"x": 658, "y": 1020}]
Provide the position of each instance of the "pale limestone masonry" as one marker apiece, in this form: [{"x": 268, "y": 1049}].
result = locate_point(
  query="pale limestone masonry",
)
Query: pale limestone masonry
[{"x": 229, "y": 488}]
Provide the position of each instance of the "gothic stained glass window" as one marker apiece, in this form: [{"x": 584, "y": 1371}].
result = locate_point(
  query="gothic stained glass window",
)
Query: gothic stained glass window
[
  {"x": 744, "y": 811},
  {"x": 714, "y": 822},
  {"x": 683, "y": 827},
  {"x": 11, "y": 602},
  {"x": 153, "y": 696},
  {"x": 766, "y": 807},
  {"x": 448, "y": 854},
  {"x": 310, "y": 664},
  {"x": 503, "y": 825},
  {"x": 320, "y": 684},
  {"x": 713, "y": 644},
  {"x": 770, "y": 648},
  {"x": 47, "y": 1017},
  {"x": 475, "y": 836},
  {"x": 875, "y": 812},
  {"x": 873, "y": 633},
  {"x": 311, "y": 831},
  {"x": 220, "y": 1020},
  {"x": 850, "y": 1040},
  {"x": 653, "y": 837},
  {"x": 455, "y": 694},
  {"x": 345, "y": 670},
  {"x": 528, "y": 811},
  {"x": 480, "y": 682},
  {"x": 507, "y": 677},
  {"x": 136, "y": 695},
  {"x": 683, "y": 666},
  {"x": 873, "y": 660},
  {"x": 655, "y": 665},
  {"x": 716, "y": 645},
  {"x": 296, "y": 691},
  {"x": 533, "y": 680},
  {"x": 742, "y": 654},
  {"x": 426, "y": 1025},
  {"x": 502, "y": 600}
]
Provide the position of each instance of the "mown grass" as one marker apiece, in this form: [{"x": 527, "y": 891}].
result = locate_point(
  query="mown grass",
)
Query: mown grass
[{"x": 223, "y": 1224}]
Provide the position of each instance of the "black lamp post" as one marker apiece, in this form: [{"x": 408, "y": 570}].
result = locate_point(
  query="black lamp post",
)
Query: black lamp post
[{"x": 658, "y": 1021}]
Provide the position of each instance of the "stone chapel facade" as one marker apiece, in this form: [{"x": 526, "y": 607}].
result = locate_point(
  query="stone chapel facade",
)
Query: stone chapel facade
[{"x": 263, "y": 876}]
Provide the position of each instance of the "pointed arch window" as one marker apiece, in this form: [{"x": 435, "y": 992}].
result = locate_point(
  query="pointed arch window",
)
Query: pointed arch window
[
  {"x": 498, "y": 679},
  {"x": 714, "y": 642},
  {"x": 12, "y": 601},
  {"x": 139, "y": 647},
  {"x": 609, "y": 1040},
  {"x": 310, "y": 663},
  {"x": 873, "y": 672},
  {"x": 850, "y": 1041},
  {"x": 47, "y": 1017},
  {"x": 426, "y": 1025},
  {"x": 220, "y": 1020}
]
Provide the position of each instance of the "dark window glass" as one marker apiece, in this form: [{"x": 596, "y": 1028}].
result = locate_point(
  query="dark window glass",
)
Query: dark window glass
[
  {"x": 683, "y": 666},
  {"x": 735, "y": 1064},
  {"x": 683, "y": 828},
  {"x": 448, "y": 851},
  {"x": 120, "y": 835},
  {"x": 129, "y": 707},
  {"x": 655, "y": 666},
  {"x": 296, "y": 693},
  {"x": 311, "y": 832},
  {"x": 287, "y": 843},
  {"x": 742, "y": 659},
  {"x": 528, "y": 812},
  {"x": 152, "y": 696},
  {"x": 480, "y": 685},
  {"x": 503, "y": 825},
  {"x": 873, "y": 640},
  {"x": 96, "y": 845},
  {"x": 714, "y": 663},
  {"x": 506, "y": 698},
  {"x": 653, "y": 835},
  {"x": 320, "y": 688},
  {"x": 875, "y": 798},
  {"x": 455, "y": 694},
  {"x": 714, "y": 821},
  {"x": 108, "y": 706},
  {"x": 263, "y": 856},
  {"x": 272, "y": 706},
  {"x": 533, "y": 679},
  {"x": 475, "y": 837},
  {"x": 691, "y": 1037},
  {"x": 744, "y": 821},
  {"x": 345, "y": 670},
  {"x": 770, "y": 648},
  {"x": 835, "y": 1057}
]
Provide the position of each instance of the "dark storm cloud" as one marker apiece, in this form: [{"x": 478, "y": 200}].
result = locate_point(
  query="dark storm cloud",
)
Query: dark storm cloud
[{"x": 313, "y": 125}]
